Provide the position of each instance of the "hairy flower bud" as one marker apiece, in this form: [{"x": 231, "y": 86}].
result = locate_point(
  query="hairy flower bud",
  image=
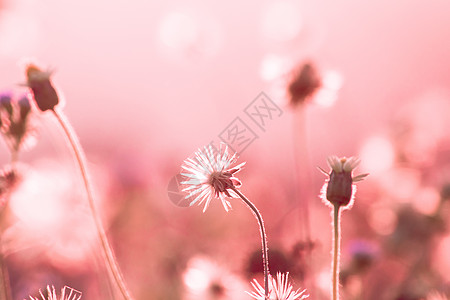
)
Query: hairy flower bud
[
  {"x": 339, "y": 189},
  {"x": 42, "y": 88},
  {"x": 25, "y": 107},
  {"x": 5, "y": 102}
]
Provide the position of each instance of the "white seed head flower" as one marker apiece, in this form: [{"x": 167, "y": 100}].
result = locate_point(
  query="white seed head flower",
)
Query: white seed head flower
[
  {"x": 209, "y": 175},
  {"x": 279, "y": 289},
  {"x": 67, "y": 293},
  {"x": 339, "y": 188}
]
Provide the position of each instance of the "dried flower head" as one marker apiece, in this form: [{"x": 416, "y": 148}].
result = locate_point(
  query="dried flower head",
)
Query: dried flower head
[
  {"x": 208, "y": 175},
  {"x": 280, "y": 289},
  {"x": 67, "y": 293},
  {"x": 41, "y": 87},
  {"x": 15, "y": 122},
  {"x": 339, "y": 188},
  {"x": 305, "y": 83}
]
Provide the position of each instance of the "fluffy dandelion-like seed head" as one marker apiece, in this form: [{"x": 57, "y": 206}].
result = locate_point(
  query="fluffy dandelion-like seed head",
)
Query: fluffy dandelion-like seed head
[
  {"x": 67, "y": 293},
  {"x": 339, "y": 188},
  {"x": 209, "y": 175},
  {"x": 279, "y": 289}
]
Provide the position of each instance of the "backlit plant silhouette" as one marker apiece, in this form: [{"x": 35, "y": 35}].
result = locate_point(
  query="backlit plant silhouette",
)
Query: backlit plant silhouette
[
  {"x": 339, "y": 192},
  {"x": 209, "y": 175},
  {"x": 46, "y": 99}
]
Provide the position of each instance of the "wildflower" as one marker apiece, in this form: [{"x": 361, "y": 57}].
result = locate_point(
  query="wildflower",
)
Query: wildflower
[
  {"x": 339, "y": 188},
  {"x": 46, "y": 98},
  {"x": 305, "y": 83},
  {"x": 42, "y": 88},
  {"x": 67, "y": 293},
  {"x": 15, "y": 122},
  {"x": 208, "y": 175},
  {"x": 280, "y": 289},
  {"x": 207, "y": 279}
]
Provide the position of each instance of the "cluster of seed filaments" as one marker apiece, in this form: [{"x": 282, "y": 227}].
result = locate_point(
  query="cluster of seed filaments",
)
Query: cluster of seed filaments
[{"x": 221, "y": 182}]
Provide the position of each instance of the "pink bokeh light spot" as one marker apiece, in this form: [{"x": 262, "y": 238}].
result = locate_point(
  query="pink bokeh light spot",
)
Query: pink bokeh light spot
[
  {"x": 426, "y": 200},
  {"x": 281, "y": 21},
  {"x": 441, "y": 258},
  {"x": 38, "y": 202},
  {"x": 19, "y": 32},
  {"x": 327, "y": 95},
  {"x": 377, "y": 155},
  {"x": 382, "y": 219},
  {"x": 185, "y": 33}
]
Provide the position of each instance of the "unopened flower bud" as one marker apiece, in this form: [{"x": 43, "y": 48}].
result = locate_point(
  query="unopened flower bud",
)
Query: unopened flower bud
[
  {"x": 5, "y": 102},
  {"x": 15, "y": 123},
  {"x": 25, "y": 107},
  {"x": 339, "y": 189},
  {"x": 42, "y": 88}
]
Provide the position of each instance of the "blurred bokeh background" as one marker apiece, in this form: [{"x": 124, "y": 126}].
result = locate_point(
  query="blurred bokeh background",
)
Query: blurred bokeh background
[{"x": 146, "y": 83}]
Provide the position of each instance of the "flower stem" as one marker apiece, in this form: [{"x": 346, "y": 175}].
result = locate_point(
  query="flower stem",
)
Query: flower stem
[
  {"x": 262, "y": 231},
  {"x": 81, "y": 160},
  {"x": 336, "y": 251},
  {"x": 302, "y": 166},
  {"x": 5, "y": 286}
]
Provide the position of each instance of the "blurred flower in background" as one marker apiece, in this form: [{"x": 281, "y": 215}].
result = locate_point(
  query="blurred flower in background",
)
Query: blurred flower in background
[{"x": 206, "y": 279}]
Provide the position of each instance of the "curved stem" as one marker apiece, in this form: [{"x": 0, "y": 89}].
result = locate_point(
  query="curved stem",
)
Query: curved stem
[
  {"x": 336, "y": 251},
  {"x": 81, "y": 160},
  {"x": 262, "y": 231}
]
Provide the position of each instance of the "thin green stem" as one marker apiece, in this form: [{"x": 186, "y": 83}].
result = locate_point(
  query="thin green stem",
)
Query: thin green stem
[
  {"x": 262, "y": 231},
  {"x": 336, "y": 251},
  {"x": 81, "y": 160}
]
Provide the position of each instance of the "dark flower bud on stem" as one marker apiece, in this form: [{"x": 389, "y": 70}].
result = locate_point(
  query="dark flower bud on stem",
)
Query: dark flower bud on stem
[
  {"x": 42, "y": 88},
  {"x": 5, "y": 103},
  {"x": 306, "y": 81},
  {"x": 339, "y": 189},
  {"x": 25, "y": 107},
  {"x": 15, "y": 123}
]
